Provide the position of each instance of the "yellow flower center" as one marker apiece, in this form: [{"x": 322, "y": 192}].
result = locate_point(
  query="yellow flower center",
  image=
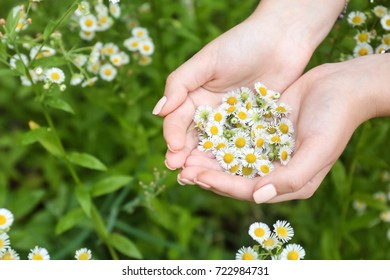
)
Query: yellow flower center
[
  {"x": 386, "y": 40},
  {"x": 259, "y": 142},
  {"x": 281, "y": 109},
  {"x": 363, "y": 52},
  {"x": 269, "y": 242},
  {"x": 89, "y": 22},
  {"x": 146, "y": 48},
  {"x": 55, "y": 76},
  {"x": 281, "y": 231},
  {"x": 7, "y": 257},
  {"x": 134, "y": 44},
  {"x": 107, "y": 71},
  {"x": 264, "y": 168},
  {"x": 284, "y": 128},
  {"x": 3, "y": 220},
  {"x": 220, "y": 146},
  {"x": 275, "y": 139},
  {"x": 293, "y": 255},
  {"x": 115, "y": 60},
  {"x": 83, "y": 256},
  {"x": 242, "y": 115},
  {"x": 388, "y": 22},
  {"x": 260, "y": 126},
  {"x": 214, "y": 130},
  {"x": 231, "y": 109},
  {"x": 259, "y": 232},
  {"x": 240, "y": 142},
  {"x": 228, "y": 158},
  {"x": 218, "y": 117},
  {"x": 363, "y": 37},
  {"x": 357, "y": 20},
  {"x": 234, "y": 168},
  {"x": 250, "y": 158},
  {"x": 208, "y": 145},
  {"x": 232, "y": 100},
  {"x": 248, "y": 105},
  {"x": 263, "y": 91},
  {"x": 246, "y": 171},
  {"x": 284, "y": 155},
  {"x": 267, "y": 115},
  {"x": 140, "y": 33},
  {"x": 19, "y": 26},
  {"x": 1, "y": 244},
  {"x": 247, "y": 256},
  {"x": 103, "y": 19},
  {"x": 37, "y": 257}
]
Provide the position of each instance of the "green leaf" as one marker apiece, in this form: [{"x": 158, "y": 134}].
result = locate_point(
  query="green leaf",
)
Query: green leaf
[
  {"x": 125, "y": 246},
  {"x": 70, "y": 219},
  {"x": 84, "y": 199},
  {"x": 58, "y": 103},
  {"x": 50, "y": 27},
  {"x": 86, "y": 160},
  {"x": 48, "y": 141},
  {"x": 34, "y": 135},
  {"x": 339, "y": 178},
  {"x": 363, "y": 221},
  {"x": 8, "y": 72},
  {"x": 110, "y": 184}
]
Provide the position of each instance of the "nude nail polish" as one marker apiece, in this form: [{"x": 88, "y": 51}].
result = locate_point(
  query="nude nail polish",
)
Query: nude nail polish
[
  {"x": 160, "y": 104},
  {"x": 265, "y": 194}
]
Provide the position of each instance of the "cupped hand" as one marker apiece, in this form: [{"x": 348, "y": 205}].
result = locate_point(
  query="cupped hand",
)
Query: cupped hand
[{"x": 328, "y": 104}]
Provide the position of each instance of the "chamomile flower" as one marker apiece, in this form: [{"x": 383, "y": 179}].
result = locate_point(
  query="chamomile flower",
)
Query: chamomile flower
[
  {"x": 115, "y": 10},
  {"x": 235, "y": 169},
  {"x": 4, "y": 242},
  {"x": 264, "y": 167},
  {"x": 381, "y": 48},
  {"x": 80, "y": 60},
  {"x": 202, "y": 114},
  {"x": 220, "y": 143},
  {"x": 283, "y": 230},
  {"x": 385, "y": 216},
  {"x": 250, "y": 157},
  {"x": 76, "y": 79},
  {"x": 227, "y": 157},
  {"x": 140, "y": 32},
  {"x": 359, "y": 206},
  {"x": 245, "y": 94},
  {"x": 38, "y": 254},
  {"x": 380, "y": 11},
  {"x": 40, "y": 52},
  {"x": 144, "y": 60},
  {"x": 248, "y": 172},
  {"x": 132, "y": 43},
  {"x": 218, "y": 115},
  {"x": 270, "y": 243},
  {"x": 22, "y": 58},
  {"x": 259, "y": 231},
  {"x": 285, "y": 126},
  {"x": 241, "y": 140},
  {"x": 246, "y": 253},
  {"x": 9, "y": 255},
  {"x": 262, "y": 90},
  {"x": 104, "y": 22},
  {"x": 243, "y": 115},
  {"x": 293, "y": 252},
  {"x": 214, "y": 129},
  {"x": 207, "y": 144},
  {"x": 362, "y": 50},
  {"x": 284, "y": 155},
  {"x": 385, "y": 22},
  {"x": 117, "y": 59},
  {"x": 55, "y": 75},
  {"x": 88, "y": 23},
  {"x": 363, "y": 36},
  {"x": 356, "y": 18},
  {"x": 260, "y": 140},
  {"x": 83, "y": 9},
  {"x": 386, "y": 39},
  {"x": 6, "y": 219},
  {"x": 101, "y": 9},
  {"x": 146, "y": 47},
  {"x": 281, "y": 110},
  {"x": 89, "y": 82},
  {"x": 107, "y": 72},
  {"x": 83, "y": 254},
  {"x": 380, "y": 196},
  {"x": 232, "y": 98}
]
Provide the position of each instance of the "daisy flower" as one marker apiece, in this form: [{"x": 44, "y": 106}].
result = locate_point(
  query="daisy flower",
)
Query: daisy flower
[
  {"x": 220, "y": 143},
  {"x": 38, "y": 254},
  {"x": 13, "y": 60},
  {"x": 246, "y": 253},
  {"x": 117, "y": 59},
  {"x": 243, "y": 115},
  {"x": 293, "y": 252},
  {"x": 109, "y": 49},
  {"x": 241, "y": 140},
  {"x": 232, "y": 98},
  {"x": 80, "y": 60},
  {"x": 356, "y": 18},
  {"x": 40, "y": 52},
  {"x": 83, "y": 254},
  {"x": 359, "y": 206},
  {"x": 380, "y": 11},
  {"x": 101, "y": 9},
  {"x": 385, "y": 21},
  {"x": 385, "y": 216},
  {"x": 259, "y": 231},
  {"x": 146, "y": 47},
  {"x": 6, "y": 219},
  {"x": 90, "y": 82},
  {"x": 4, "y": 242},
  {"x": 104, "y": 22},
  {"x": 283, "y": 230},
  {"x": 262, "y": 90},
  {"x": 114, "y": 1},
  {"x": 218, "y": 115},
  {"x": 227, "y": 157},
  {"x": 206, "y": 144},
  {"x": 260, "y": 140},
  {"x": 9, "y": 254},
  {"x": 264, "y": 167},
  {"x": 363, "y": 49},
  {"x": 94, "y": 67},
  {"x": 88, "y": 23},
  {"x": 115, "y": 10},
  {"x": 55, "y": 75},
  {"x": 140, "y": 32},
  {"x": 83, "y": 9},
  {"x": 386, "y": 39},
  {"x": 284, "y": 155},
  {"x": 285, "y": 126},
  {"x": 380, "y": 196},
  {"x": 248, "y": 172},
  {"x": 270, "y": 243},
  {"x": 145, "y": 60},
  {"x": 76, "y": 79},
  {"x": 246, "y": 94},
  {"x": 281, "y": 109},
  {"x": 250, "y": 157},
  {"x": 132, "y": 43},
  {"x": 235, "y": 169},
  {"x": 107, "y": 72},
  {"x": 363, "y": 36},
  {"x": 214, "y": 129}
]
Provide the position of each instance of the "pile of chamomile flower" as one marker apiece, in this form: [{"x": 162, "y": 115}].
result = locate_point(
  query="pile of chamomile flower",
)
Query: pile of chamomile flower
[{"x": 248, "y": 132}]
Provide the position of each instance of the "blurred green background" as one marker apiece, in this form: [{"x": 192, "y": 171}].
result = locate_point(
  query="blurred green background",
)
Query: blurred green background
[{"x": 147, "y": 213}]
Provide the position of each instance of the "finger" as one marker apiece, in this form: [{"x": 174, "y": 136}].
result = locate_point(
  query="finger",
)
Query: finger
[
  {"x": 177, "y": 126},
  {"x": 189, "y": 76},
  {"x": 174, "y": 160},
  {"x": 206, "y": 162}
]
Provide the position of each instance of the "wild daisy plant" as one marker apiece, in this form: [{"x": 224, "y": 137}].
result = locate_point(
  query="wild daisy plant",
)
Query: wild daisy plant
[
  {"x": 372, "y": 30},
  {"x": 248, "y": 132},
  {"x": 35, "y": 254},
  {"x": 271, "y": 244}
]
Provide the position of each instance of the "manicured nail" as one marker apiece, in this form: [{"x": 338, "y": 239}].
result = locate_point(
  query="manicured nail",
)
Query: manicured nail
[
  {"x": 170, "y": 149},
  {"x": 203, "y": 185},
  {"x": 265, "y": 194},
  {"x": 170, "y": 168},
  {"x": 159, "y": 105},
  {"x": 183, "y": 181}
]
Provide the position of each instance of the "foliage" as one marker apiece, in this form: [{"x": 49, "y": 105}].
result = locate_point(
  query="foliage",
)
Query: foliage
[{"x": 84, "y": 166}]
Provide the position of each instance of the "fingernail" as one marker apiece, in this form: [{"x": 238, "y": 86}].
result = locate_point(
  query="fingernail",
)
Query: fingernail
[
  {"x": 203, "y": 185},
  {"x": 159, "y": 105},
  {"x": 170, "y": 168},
  {"x": 183, "y": 181},
  {"x": 170, "y": 149},
  {"x": 265, "y": 194}
]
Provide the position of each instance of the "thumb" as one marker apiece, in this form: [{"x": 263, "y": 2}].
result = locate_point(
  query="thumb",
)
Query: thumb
[
  {"x": 310, "y": 158},
  {"x": 191, "y": 75}
]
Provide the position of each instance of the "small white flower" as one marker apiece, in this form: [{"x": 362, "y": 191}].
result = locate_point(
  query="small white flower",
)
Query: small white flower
[
  {"x": 55, "y": 75},
  {"x": 38, "y": 254},
  {"x": 270, "y": 243},
  {"x": 6, "y": 219},
  {"x": 207, "y": 144},
  {"x": 363, "y": 36},
  {"x": 356, "y": 18},
  {"x": 108, "y": 72},
  {"x": 262, "y": 90},
  {"x": 13, "y": 60},
  {"x": 284, "y": 155},
  {"x": 250, "y": 157},
  {"x": 293, "y": 252},
  {"x": 385, "y": 21},
  {"x": 40, "y": 52},
  {"x": 9, "y": 254},
  {"x": 89, "y": 82},
  {"x": 227, "y": 157},
  {"x": 246, "y": 253},
  {"x": 104, "y": 22},
  {"x": 114, "y": 1},
  {"x": 386, "y": 39},
  {"x": 87, "y": 35},
  {"x": 385, "y": 216},
  {"x": 110, "y": 49},
  {"x": 218, "y": 115},
  {"x": 83, "y": 254},
  {"x": 214, "y": 129},
  {"x": 379, "y": 11},
  {"x": 115, "y": 10},
  {"x": 264, "y": 167},
  {"x": 80, "y": 60},
  {"x": 283, "y": 230},
  {"x": 359, "y": 206},
  {"x": 140, "y": 32},
  {"x": 362, "y": 50},
  {"x": 4, "y": 242},
  {"x": 145, "y": 60},
  {"x": 83, "y": 9},
  {"x": 88, "y": 23},
  {"x": 132, "y": 43},
  {"x": 146, "y": 47},
  {"x": 232, "y": 98},
  {"x": 259, "y": 231},
  {"x": 241, "y": 140},
  {"x": 101, "y": 9},
  {"x": 76, "y": 79}
]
